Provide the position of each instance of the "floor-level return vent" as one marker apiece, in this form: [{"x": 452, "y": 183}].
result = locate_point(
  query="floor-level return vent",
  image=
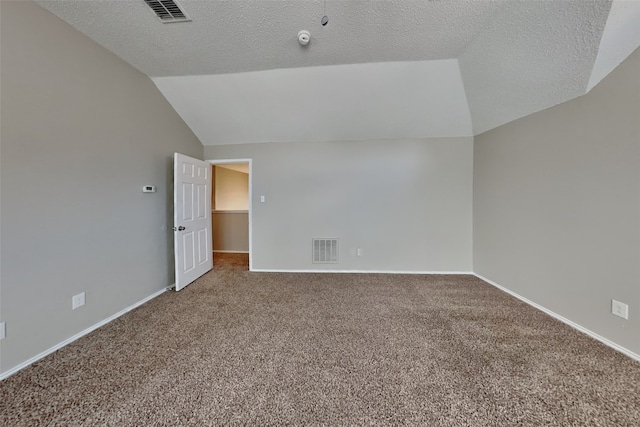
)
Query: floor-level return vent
[{"x": 325, "y": 251}]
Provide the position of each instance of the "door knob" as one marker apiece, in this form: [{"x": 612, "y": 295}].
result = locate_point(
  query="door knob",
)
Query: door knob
[{"x": 179, "y": 228}]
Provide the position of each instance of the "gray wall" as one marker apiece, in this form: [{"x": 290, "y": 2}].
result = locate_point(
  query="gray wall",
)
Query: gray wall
[
  {"x": 406, "y": 203},
  {"x": 81, "y": 133},
  {"x": 557, "y": 206}
]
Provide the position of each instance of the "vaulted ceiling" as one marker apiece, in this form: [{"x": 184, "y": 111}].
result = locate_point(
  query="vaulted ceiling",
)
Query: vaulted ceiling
[{"x": 378, "y": 70}]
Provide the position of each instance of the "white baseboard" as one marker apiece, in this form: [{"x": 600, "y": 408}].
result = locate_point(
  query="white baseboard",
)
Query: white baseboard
[
  {"x": 267, "y": 270},
  {"x": 574, "y": 325},
  {"x": 230, "y": 252},
  {"x": 92, "y": 328},
  {"x": 564, "y": 320}
]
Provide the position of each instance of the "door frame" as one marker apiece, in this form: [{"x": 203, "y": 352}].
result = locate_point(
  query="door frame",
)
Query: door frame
[{"x": 227, "y": 161}]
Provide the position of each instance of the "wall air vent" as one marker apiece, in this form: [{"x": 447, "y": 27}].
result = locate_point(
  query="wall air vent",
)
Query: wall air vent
[
  {"x": 325, "y": 251},
  {"x": 167, "y": 10}
]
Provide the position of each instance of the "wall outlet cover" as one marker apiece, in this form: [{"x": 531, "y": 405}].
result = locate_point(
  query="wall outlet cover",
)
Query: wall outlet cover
[
  {"x": 77, "y": 301},
  {"x": 620, "y": 309}
]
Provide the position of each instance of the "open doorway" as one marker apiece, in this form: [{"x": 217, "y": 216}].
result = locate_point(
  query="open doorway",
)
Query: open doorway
[{"x": 231, "y": 214}]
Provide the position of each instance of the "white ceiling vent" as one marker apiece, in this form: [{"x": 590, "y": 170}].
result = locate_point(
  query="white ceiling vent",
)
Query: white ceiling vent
[
  {"x": 325, "y": 251},
  {"x": 167, "y": 10}
]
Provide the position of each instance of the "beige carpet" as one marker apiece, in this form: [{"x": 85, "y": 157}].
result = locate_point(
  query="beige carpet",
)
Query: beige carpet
[{"x": 241, "y": 348}]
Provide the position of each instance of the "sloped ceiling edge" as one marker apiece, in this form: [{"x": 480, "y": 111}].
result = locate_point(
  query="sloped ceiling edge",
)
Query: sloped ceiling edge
[{"x": 389, "y": 100}]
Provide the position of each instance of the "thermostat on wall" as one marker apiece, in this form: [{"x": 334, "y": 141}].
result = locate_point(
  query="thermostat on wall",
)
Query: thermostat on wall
[{"x": 149, "y": 189}]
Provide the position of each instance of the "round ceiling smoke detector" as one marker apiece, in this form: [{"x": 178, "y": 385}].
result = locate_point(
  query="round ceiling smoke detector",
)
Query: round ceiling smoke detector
[{"x": 304, "y": 37}]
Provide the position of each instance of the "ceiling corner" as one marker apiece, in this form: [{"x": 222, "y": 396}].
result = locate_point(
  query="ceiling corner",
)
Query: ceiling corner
[{"x": 621, "y": 36}]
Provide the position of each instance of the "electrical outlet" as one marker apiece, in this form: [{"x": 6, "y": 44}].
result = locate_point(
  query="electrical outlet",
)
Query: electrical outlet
[
  {"x": 620, "y": 309},
  {"x": 77, "y": 301},
  {"x": 3, "y": 330},
  {"x": 359, "y": 252}
]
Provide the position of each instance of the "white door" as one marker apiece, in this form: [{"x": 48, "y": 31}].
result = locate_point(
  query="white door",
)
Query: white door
[{"x": 191, "y": 218}]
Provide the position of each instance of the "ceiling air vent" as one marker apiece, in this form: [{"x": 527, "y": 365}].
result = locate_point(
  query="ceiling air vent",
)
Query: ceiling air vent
[
  {"x": 325, "y": 251},
  {"x": 167, "y": 10}
]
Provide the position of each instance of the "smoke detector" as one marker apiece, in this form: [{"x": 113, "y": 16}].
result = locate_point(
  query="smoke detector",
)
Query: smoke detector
[{"x": 304, "y": 37}]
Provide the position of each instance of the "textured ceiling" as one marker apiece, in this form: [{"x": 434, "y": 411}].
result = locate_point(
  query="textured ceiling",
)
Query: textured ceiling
[
  {"x": 248, "y": 35},
  {"x": 236, "y": 72},
  {"x": 537, "y": 54}
]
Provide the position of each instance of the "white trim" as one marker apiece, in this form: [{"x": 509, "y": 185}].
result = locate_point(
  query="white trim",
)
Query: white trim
[
  {"x": 231, "y": 252},
  {"x": 268, "y": 270},
  {"x": 227, "y": 161},
  {"x": 92, "y": 328},
  {"x": 250, "y": 161},
  {"x": 228, "y": 212},
  {"x": 564, "y": 320}
]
